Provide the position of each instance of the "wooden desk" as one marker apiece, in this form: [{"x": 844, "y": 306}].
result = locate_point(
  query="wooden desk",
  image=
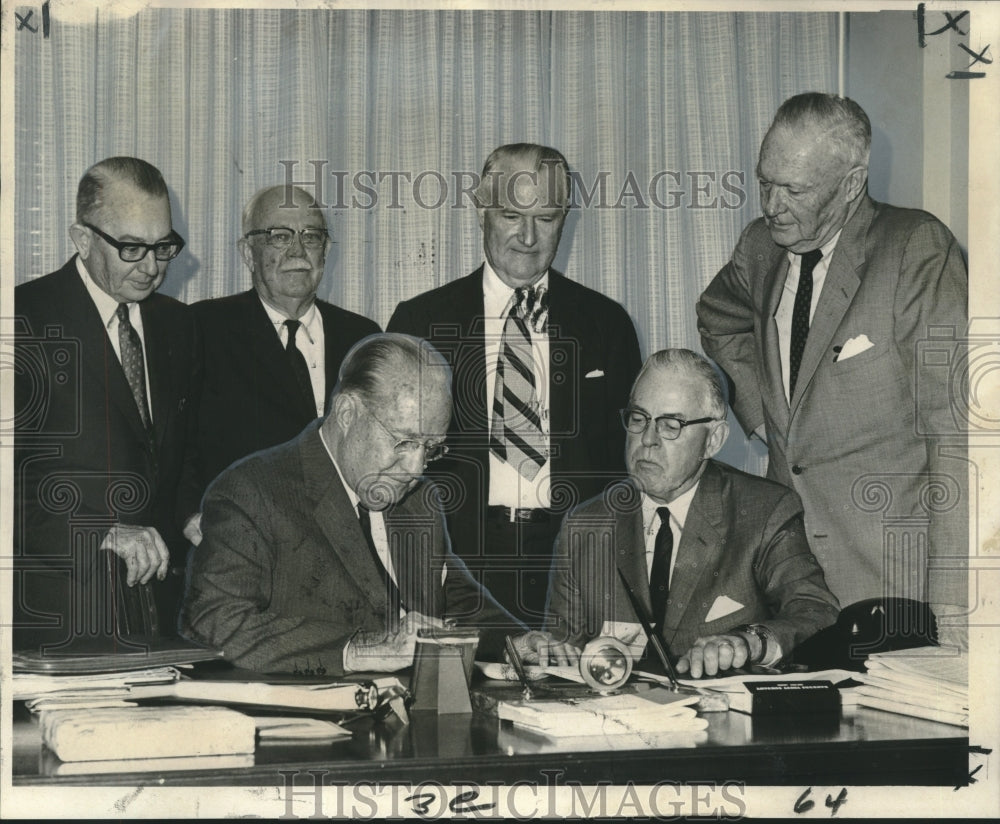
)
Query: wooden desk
[{"x": 867, "y": 748}]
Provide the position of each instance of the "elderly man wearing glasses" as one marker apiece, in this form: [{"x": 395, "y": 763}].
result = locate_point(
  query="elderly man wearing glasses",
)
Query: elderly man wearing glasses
[
  {"x": 717, "y": 559},
  {"x": 328, "y": 553},
  {"x": 272, "y": 352},
  {"x": 106, "y": 378}
]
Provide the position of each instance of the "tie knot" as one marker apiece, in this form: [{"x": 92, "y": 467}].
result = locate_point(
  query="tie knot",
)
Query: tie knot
[
  {"x": 664, "y": 514},
  {"x": 810, "y": 259},
  {"x": 531, "y": 304},
  {"x": 293, "y": 327},
  {"x": 122, "y": 313}
]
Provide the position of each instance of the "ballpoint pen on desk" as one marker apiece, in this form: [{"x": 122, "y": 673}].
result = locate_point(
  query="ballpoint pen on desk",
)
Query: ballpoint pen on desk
[
  {"x": 651, "y": 636},
  {"x": 518, "y": 665}
]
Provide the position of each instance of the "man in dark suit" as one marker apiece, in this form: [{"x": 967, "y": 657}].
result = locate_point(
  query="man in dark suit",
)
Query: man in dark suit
[
  {"x": 105, "y": 389},
  {"x": 272, "y": 353},
  {"x": 541, "y": 367},
  {"x": 836, "y": 321},
  {"x": 329, "y": 552},
  {"x": 717, "y": 558}
]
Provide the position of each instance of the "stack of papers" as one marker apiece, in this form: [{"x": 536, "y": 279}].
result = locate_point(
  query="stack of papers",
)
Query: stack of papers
[
  {"x": 625, "y": 713},
  {"x": 112, "y": 689},
  {"x": 927, "y": 682}
]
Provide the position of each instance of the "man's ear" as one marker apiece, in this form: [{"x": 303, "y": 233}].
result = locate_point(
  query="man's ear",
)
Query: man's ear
[
  {"x": 720, "y": 431},
  {"x": 345, "y": 411},
  {"x": 855, "y": 182},
  {"x": 81, "y": 237},
  {"x": 245, "y": 253}
]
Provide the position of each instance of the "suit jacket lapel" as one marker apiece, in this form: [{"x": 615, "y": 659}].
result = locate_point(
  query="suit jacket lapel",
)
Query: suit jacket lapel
[
  {"x": 83, "y": 322},
  {"x": 628, "y": 528},
  {"x": 774, "y": 388},
  {"x": 337, "y": 519},
  {"x": 564, "y": 334},
  {"x": 839, "y": 287},
  {"x": 159, "y": 367},
  {"x": 700, "y": 547},
  {"x": 468, "y": 309}
]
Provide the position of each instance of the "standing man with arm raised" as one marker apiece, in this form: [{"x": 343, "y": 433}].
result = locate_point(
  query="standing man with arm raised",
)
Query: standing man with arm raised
[
  {"x": 819, "y": 320},
  {"x": 541, "y": 366}
]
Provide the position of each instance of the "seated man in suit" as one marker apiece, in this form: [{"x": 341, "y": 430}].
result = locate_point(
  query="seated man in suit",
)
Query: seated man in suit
[
  {"x": 329, "y": 552},
  {"x": 542, "y": 364},
  {"x": 718, "y": 558},
  {"x": 105, "y": 391},
  {"x": 272, "y": 353}
]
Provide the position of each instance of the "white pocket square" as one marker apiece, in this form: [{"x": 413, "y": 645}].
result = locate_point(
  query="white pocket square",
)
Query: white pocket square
[
  {"x": 723, "y": 606},
  {"x": 854, "y": 346},
  {"x": 595, "y": 373}
]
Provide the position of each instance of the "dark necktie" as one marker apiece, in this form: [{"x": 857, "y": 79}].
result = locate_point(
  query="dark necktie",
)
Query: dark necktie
[
  {"x": 659, "y": 576},
  {"x": 133, "y": 363},
  {"x": 800, "y": 316},
  {"x": 516, "y": 435},
  {"x": 393, "y": 600},
  {"x": 297, "y": 361}
]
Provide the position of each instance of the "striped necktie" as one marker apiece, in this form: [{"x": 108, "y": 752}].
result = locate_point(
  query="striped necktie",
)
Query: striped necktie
[{"x": 516, "y": 435}]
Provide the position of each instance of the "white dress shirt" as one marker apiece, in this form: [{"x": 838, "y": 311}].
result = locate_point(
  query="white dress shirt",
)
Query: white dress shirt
[
  {"x": 651, "y": 525},
  {"x": 107, "y": 308},
  {"x": 310, "y": 342},
  {"x": 507, "y": 486},
  {"x": 786, "y": 306}
]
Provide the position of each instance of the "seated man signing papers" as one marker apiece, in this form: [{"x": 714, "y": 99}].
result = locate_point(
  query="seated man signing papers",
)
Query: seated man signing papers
[
  {"x": 329, "y": 552},
  {"x": 717, "y": 558}
]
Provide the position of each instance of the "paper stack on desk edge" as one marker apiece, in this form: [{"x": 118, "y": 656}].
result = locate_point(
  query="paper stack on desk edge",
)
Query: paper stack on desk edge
[
  {"x": 623, "y": 713},
  {"x": 927, "y": 682}
]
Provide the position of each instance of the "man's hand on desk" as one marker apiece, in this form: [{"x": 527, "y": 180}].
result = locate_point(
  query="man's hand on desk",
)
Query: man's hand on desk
[
  {"x": 143, "y": 550},
  {"x": 713, "y": 654},
  {"x": 542, "y": 648},
  {"x": 192, "y": 529},
  {"x": 378, "y": 652}
]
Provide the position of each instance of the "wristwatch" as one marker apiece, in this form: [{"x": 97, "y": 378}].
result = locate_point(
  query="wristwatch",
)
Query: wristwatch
[{"x": 762, "y": 634}]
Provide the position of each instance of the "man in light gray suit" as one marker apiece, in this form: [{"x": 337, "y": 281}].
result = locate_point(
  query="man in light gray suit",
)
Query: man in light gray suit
[
  {"x": 328, "y": 553},
  {"x": 823, "y": 320}
]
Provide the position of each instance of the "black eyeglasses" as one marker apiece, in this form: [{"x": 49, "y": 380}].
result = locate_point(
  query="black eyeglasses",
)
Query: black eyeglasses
[
  {"x": 132, "y": 252},
  {"x": 281, "y": 237},
  {"x": 668, "y": 427},
  {"x": 408, "y": 446}
]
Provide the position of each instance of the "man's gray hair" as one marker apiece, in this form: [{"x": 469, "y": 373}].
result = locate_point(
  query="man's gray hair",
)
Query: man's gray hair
[
  {"x": 370, "y": 362},
  {"x": 842, "y": 120},
  {"x": 250, "y": 210},
  {"x": 531, "y": 157},
  {"x": 90, "y": 193},
  {"x": 696, "y": 366}
]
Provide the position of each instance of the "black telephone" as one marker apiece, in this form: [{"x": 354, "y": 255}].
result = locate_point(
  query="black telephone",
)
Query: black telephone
[{"x": 866, "y": 627}]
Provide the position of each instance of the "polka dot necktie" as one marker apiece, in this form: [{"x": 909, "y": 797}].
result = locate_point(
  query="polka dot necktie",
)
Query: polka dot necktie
[
  {"x": 133, "y": 362},
  {"x": 800, "y": 316}
]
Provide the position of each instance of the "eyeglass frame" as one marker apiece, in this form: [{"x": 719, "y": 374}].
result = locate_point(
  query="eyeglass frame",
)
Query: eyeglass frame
[
  {"x": 119, "y": 245},
  {"x": 673, "y": 435},
  {"x": 400, "y": 441},
  {"x": 295, "y": 233}
]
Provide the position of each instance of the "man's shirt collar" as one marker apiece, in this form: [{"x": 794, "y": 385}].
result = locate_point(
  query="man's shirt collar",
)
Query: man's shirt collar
[{"x": 497, "y": 294}]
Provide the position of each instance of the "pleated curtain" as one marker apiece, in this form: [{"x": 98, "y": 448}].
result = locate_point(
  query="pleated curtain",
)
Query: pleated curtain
[{"x": 394, "y": 110}]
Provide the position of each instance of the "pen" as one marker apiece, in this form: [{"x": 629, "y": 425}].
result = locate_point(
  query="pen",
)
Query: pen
[
  {"x": 518, "y": 665},
  {"x": 653, "y": 638}
]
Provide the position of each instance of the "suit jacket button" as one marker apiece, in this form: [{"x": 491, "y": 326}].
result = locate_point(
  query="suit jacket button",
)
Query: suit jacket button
[{"x": 796, "y": 470}]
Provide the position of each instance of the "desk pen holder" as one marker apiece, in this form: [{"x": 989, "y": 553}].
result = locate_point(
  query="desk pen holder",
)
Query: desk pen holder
[{"x": 442, "y": 670}]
